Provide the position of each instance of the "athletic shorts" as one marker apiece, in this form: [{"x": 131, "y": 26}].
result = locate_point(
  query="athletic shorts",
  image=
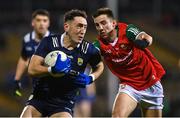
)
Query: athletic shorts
[
  {"x": 150, "y": 98},
  {"x": 51, "y": 105}
]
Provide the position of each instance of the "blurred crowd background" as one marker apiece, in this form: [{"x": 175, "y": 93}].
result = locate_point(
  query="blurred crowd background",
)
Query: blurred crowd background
[{"x": 160, "y": 18}]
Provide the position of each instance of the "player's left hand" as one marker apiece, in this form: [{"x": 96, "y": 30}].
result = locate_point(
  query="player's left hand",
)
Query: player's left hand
[
  {"x": 17, "y": 88},
  {"x": 82, "y": 80}
]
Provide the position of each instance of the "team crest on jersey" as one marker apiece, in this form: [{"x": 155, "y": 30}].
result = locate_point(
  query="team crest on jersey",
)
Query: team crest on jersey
[{"x": 80, "y": 61}]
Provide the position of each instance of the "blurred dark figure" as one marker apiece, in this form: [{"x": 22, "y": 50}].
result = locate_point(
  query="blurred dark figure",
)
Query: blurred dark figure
[{"x": 3, "y": 43}]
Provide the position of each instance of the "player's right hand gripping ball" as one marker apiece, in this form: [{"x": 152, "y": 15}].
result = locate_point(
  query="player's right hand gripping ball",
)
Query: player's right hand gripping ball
[{"x": 58, "y": 62}]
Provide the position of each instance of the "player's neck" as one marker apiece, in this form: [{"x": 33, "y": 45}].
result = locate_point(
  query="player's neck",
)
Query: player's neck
[
  {"x": 38, "y": 37},
  {"x": 68, "y": 43}
]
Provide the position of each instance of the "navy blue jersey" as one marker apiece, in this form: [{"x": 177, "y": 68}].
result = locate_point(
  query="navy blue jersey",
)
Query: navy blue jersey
[
  {"x": 29, "y": 45},
  {"x": 83, "y": 54}
]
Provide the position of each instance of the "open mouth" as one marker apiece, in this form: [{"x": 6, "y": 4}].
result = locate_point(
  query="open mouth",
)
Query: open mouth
[
  {"x": 103, "y": 34},
  {"x": 80, "y": 37}
]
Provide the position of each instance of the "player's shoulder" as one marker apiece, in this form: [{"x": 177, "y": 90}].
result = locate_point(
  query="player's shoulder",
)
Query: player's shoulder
[
  {"x": 87, "y": 44},
  {"x": 127, "y": 25},
  {"x": 88, "y": 47},
  {"x": 96, "y": 43},
  {"x": 27, "y": 37},
  {"x": 131, "y": 27},
  {"x": 52, "y": 37},
  {"x": 122, "y": 23},
  {"x": 122, "y": 27}
]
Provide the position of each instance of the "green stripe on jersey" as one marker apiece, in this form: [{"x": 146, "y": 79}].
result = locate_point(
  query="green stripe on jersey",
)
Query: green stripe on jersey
[
  {"x": 96, "y": 44},
  {"x": 132, "y": 31}
]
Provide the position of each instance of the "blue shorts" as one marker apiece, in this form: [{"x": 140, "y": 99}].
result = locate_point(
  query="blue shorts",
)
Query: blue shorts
[{"x": 51, "y": 105}]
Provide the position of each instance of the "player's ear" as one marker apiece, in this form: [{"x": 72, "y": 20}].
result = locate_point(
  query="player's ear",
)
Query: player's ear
[
  {"x": 66, "y": 27},
  {"x": 114, "y": 23},
  {"x": 32, "y": 23},
  {"x": 48, "y": 23}
]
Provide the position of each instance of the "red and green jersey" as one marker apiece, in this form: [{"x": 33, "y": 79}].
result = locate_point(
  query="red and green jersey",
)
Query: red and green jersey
[{"x": 132, "y": 65}]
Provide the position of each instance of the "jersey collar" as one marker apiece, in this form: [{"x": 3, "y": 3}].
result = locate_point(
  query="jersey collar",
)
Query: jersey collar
[
  {"x": 62, "y": 38},
  {"x": 115, "y": 41},
  {"x": 47, "y": 34}
]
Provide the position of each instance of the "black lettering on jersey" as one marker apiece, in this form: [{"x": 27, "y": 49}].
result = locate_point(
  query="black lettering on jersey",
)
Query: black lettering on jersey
[
  {"x": 55, "y": 42},
  {"x": 84, "y": 47}
]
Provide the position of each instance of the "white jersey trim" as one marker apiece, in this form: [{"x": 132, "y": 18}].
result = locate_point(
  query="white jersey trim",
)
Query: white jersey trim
[{"x": 27, "y": 36}]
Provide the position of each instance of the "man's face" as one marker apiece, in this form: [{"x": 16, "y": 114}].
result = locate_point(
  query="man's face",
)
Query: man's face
[
  {"x": 40, "y": 24},
  {"x": 104, "y": 25},
  {"x": 76, "y": 29}
]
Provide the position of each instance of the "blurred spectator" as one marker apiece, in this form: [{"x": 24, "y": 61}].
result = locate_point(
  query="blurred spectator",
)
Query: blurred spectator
[{"x": 3, "y": 43}]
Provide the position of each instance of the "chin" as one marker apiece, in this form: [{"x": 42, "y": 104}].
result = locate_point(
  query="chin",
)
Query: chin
[
  {"x": 77, "y": 42},
  {"x": 41, "y": 32},
  {"x": 104, "y": 37}
]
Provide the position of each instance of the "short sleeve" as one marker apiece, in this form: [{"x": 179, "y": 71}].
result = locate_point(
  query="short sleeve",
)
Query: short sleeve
[
  {"x": 132, "y": 32},
  {"x": 95, "y": 57}
]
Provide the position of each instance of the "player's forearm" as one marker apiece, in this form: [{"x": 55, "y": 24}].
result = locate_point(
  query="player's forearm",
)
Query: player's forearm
[
  {"x": 145, "y": 36},
  {"x": 36, "y": 67},
  {"x": 21, "y": 68},
  {"x": 37, "y": 70},
  {"x": 98, "y": 71}
]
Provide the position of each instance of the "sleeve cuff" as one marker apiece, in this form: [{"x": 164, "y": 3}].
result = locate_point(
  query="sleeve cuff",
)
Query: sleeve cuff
[
  {"x": 49, "y": 70},
  {"x": 139, "y": 34},
  {"x": 93, "y": 77}
]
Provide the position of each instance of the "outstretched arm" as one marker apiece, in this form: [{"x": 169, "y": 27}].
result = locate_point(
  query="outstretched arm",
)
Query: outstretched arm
[
  {"x": 98, "y": 70},
  {"x": 145, "y": 36},
  {"x": 138, "y": 37}
]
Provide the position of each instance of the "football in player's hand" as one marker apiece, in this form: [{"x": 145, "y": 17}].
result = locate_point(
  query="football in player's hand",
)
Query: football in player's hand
[{"x": 51, "y": 57}]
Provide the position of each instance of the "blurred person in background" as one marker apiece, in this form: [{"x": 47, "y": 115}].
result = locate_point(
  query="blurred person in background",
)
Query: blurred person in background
[
  {"x": 40, "y": 23},
  {"x": 85, "y": 100},
  {"x": 124, "y": 48},
  {"x": 55, "y": 96}
]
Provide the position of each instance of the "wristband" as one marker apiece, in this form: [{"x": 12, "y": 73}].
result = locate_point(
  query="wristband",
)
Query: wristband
[
  {"x": 93, "y": 77},
  {"x": 141, "y": 43},
  {"x": 49, "y": 69}
]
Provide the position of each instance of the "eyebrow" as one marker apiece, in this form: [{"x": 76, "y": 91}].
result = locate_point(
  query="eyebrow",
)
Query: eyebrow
[{"x": 82, "y": 24}]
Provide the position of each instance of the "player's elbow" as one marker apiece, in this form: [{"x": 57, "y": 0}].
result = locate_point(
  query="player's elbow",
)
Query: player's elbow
[
  {"x": 150, "y": 40},
  {"x": 99, "y": 69},
  {"x": 31, "y": 71}
]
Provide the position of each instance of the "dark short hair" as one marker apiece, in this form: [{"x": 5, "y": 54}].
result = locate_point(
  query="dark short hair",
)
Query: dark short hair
[
  {"x": 103, "y": 11},
  {"x": 42, "y": 12},
  {"x": 74, "y": 13}
]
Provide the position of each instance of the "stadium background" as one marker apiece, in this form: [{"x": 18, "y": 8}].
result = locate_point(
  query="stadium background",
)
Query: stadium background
[{"x": 160, "y": 18}]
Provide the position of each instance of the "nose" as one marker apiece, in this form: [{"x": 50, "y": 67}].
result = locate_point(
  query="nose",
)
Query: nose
[{"x": 41, "y": 23}]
